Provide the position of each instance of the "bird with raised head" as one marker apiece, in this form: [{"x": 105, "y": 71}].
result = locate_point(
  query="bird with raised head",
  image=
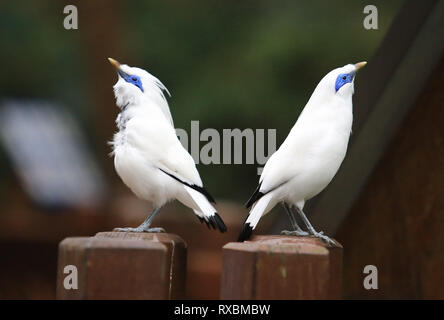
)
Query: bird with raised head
[
  {"x": 310, "y": 156},
  {"x": 148, "y": 156}
]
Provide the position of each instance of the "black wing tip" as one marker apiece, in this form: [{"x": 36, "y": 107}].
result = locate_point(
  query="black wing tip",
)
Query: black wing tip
[
  {"x": 217, "y": 222},
  {"x": 245, "y": 233},
  {"x": 193, "y": 186},
  {"x": 256, "y": 196},
  {"x": 204, "y": 192}
]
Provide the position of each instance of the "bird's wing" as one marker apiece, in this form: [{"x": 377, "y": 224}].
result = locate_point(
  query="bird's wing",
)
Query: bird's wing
[
  {"x": 278, "y": 170},
  {"x": 293, "y": 157},
  {"x": 196, "y": 187},
  {"x": 178, "y": 162},
  {"x": 257, "y": 194},
  {"x": 156, "y": 139},
  {"x": 180, "y": 166}
]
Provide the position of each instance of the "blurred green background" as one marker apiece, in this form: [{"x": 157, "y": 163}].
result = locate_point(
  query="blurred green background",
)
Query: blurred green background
[{"x": 228, "y": 64}]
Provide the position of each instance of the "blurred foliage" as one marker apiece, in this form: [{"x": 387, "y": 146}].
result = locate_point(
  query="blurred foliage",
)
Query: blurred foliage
[
  {"x": 228, "y": 64},
  {"x": 39, "y": 58}
]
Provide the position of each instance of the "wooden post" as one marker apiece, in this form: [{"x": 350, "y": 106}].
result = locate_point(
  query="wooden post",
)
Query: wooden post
[
  {"x": 281, "y": 267},
  {"x": 119, "y": 265}
]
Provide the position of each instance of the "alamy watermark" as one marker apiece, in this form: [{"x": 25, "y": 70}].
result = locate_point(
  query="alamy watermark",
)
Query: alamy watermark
[
  {"x": 371, "y": 19},
  {"x": 71, "y": 20},
  {"x": 228, "y": 147},
  {"x": 371, "y": 278},
  {"x": 70, "y": 282}
]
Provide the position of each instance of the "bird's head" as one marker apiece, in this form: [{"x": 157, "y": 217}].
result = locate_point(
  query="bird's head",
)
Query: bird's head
[
  {"x": 133, "y": 84},
  {"x": 340, "y": 81}
]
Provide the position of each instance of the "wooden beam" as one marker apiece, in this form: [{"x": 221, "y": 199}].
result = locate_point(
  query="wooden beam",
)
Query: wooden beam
[
  {"x": 119, "y": 265},
  {"x": 281, "y": 267}
]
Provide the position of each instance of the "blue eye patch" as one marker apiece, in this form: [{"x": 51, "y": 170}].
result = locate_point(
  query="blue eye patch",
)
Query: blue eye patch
[
  {"x": 342, "y": 79},
  {"x": 135, "y": 80}
]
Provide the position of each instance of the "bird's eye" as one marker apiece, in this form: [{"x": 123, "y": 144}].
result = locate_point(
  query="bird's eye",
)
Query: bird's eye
[
  {"x": 344, "y": 77},
  {"x": 134, "y": 79}
]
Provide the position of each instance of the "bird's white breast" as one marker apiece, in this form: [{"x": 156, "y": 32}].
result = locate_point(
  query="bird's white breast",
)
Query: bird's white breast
[
  {"x": 135, "y": 155},
  {"x": 316, "y": 147}
]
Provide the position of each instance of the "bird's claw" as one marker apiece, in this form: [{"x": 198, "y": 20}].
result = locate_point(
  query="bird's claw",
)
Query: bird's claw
[
  {"x": 325, "y": 238},
  {"x": 298, "y": 233},
  {"x": 140, "y": 229}
]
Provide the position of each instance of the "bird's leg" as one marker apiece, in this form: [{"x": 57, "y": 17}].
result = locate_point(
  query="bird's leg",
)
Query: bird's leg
[
  {"x": 297, "y": 231},
  {"x": 312, "y": 231},
  {"x": 145, "y": 226}
]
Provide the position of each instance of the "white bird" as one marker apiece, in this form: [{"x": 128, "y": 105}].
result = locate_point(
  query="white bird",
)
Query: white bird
[
  {"x": 310, "y": 156},
  {"x": 148, "y": 156}
]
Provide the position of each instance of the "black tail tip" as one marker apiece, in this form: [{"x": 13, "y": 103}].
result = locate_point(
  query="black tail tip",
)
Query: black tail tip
[
  {"x": 217, "y": 223},
  {"x": 245, "y": 233}
]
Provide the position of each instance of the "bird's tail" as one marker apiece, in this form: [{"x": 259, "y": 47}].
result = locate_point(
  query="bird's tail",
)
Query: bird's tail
[
  {"x": 258, "y": 210},
  {"x": 205, "y": 211}
]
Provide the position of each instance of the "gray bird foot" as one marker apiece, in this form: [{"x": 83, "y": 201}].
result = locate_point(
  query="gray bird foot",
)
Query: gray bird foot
[
  {"x": 140, "y": 229},
  {"x": 298, "y": 233},
  {"x": 323, "y": 237}
]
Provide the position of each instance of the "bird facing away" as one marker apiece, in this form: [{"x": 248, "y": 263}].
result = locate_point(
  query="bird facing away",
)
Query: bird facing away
[
  {"x": 310, "y": 156},
  {"x": 148, "y": 156}
]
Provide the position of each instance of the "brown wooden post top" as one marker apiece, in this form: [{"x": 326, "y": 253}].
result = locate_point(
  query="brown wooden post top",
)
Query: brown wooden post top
[
  {"x": 122, "y": 265},
  {"x": 281, "y": 267}
]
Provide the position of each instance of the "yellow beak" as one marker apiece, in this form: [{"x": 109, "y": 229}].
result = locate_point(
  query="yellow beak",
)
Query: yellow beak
[
  {"x": 115, "y": 63},
  {"x": 358, "y": 66}
]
